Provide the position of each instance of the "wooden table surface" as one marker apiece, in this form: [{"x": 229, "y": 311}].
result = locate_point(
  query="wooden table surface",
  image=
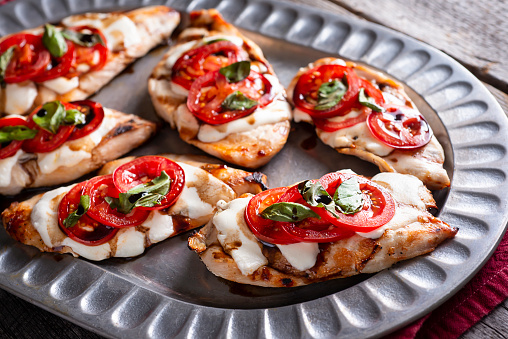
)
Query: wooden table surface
[{"x": 475, "y": 33}]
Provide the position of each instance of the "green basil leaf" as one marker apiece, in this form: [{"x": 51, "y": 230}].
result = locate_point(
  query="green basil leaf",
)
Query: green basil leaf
[
  {"x": 369, "y": 102},
  {"x": 330, "y": 93},
  {"x": 289, "y": 212},
  {"x": 237, "y": 101},
  {"x": 83, "y": 39},
  {"x": 236, "y": 72},
  {"x": 10, "y": 133},
  {"x": 348, "y": 196},
  {"x": 148, "y": 194},
  {"x": 5, "y": 58},
  {"x": 214, "y": 41},
  {"x": 54, "y": 41},
  {"x": 74, "y": 117},
  {"x": 315, "y": 195},
  {"x": 73, "y": 218},
  {"x": 53, "y": 117}
]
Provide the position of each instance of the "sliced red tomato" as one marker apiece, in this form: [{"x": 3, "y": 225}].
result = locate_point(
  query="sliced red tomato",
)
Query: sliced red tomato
[
  {"x": 265, "y": 229},
  {"x": 9, "y": 149},
  {"x": 94, "y": 57},
  {"x": 100, "y": 187},
  {"x": 400, "y": 127},
  {"x": 199, "y": 61},
  {"x": 94, "y": 115},
  {"x": 209, "y": 92},
  {"x": 378, "y": 205},
  {"x": 144, "y": 169},
  {"x": 311, "y": 229},
  {"x": 372, "y": 91},
  {"x": 30, "y": 57},
  {"x": 46, "y": 141},
  {"x": 332, "y": 126},
  {"x": 305, "y": 95},
  {"x": 58, "y": 66},
  {"x": 87, "y": 231}
]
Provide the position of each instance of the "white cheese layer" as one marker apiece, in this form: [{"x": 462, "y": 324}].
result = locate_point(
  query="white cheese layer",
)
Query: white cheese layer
[
  {"x": 404, "y": 188},
  {"x": 301, "y": 256},
  {"x": 6, "y": 166},
  {"x": 160, "y": 226},
  {"x": 44, "y": 216},
  {"x": 99, "y": 252},
  {"x": 19, "y": 97},
  {"x": 129, "y": 243},
  {"x": 236, "y": 238},
  {"x": 71, "y": 153},
  {"x": 404, "y": 215},
  {"x": 62, "y": 85}
]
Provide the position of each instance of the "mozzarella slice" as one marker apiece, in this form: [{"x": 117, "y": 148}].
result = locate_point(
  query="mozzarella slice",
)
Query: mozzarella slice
[
  {"x": 19, "y": 97},
  {"x": 160, "y": 226},
  {"x": 301, "y": 256},
  {"x": 6, "y": 166},
  {"x": 62, "y": 85}
]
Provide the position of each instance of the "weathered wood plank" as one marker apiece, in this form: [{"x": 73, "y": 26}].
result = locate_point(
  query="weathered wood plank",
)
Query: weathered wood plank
[{"x": 495, "y": 325}]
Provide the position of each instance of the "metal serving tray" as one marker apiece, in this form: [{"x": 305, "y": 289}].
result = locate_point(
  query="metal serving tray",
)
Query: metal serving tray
[{"x": 168, "y": 292}]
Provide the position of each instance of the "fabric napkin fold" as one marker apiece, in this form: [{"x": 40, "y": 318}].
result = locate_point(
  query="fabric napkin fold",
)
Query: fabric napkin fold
[{"x": 479, "y": 297}]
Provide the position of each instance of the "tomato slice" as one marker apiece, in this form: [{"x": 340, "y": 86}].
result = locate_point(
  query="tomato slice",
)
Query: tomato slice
[
  {"x": 94, "y": 116},
  {"x": 29, "y": 60},
  {"x": 305, "y": 95},
  {"x": 144, "y": 169},
  {"x": 94, "y": 57},
  {"x": 87, "y": 231},
  {"x": 209, "y": 92},
  {"x": 100, "y": 187},
  {"x": 378, "y": 207},
  {"x": 311, "y": 229},
  {"x": 199, "y": 61},
  {"x": 372, "y": 91},
  {"x": 58, "y": 66},
  {"x": 332, "y": 126},
  {"x": 400, "y": 127},
  {"x": 46, "y": 141},
  {"x": 265, "y": 229},
  {"x": 9, "y": 149}
]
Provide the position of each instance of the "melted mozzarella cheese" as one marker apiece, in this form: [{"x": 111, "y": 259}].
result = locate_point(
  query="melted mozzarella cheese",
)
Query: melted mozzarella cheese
[
  {"x": 404, "y": 215},
  {"x": 44, "y": 216},
  {"x": 129, "y": 243},
  {"x": 19, "y": 97},
  {"x": 299, "y": 115},
  {"x": 160, "y": 226},
  {"x": 301, "y": 256},
  {"x": 236, "y": 238},
  {"x": 6, "y": 166},
  {"x": 61, "y": 157},
  {"x": 403, "y": 187},
  {"x": 176, "y": 52},
  {"x": 107, "y": 124},
  {"x": 358, "y": 135},
  {"x": 99, "y": 252},
  {"x": 62, "y": 85}
]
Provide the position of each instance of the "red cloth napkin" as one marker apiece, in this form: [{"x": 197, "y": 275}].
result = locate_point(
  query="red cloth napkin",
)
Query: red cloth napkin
[
  {"x": 3, "y": 2},
  {"x": 478, "y": 298}
]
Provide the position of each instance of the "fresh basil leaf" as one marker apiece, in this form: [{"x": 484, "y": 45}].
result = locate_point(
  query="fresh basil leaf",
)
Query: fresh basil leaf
[
  {"x": 148, "y": 194},
  {"x": 330, "y": 93},
  {"x": 369, "y": 102},
  {"x": 74, "y": 117},
  {"x": 236, "y": 72},
  {"x": 10, "y": 133},
  {"x": 5, "y": 58},
  {"x": 315, "y": 195},
  {"x": 50, "y": 116},
  {"x": 54, "y": 41},
  {"x": 73, "y": 218},
  {"x": 348, "y": 196},
  {"x": 289, "y": 212},
  {"x": 214, "y": 41},
  {"x": 237, "y": 101},
  {"x": 83, "y": 39}
]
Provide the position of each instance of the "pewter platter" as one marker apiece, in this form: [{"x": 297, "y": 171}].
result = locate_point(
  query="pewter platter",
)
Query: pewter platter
[{"x": 167, "y": 292}]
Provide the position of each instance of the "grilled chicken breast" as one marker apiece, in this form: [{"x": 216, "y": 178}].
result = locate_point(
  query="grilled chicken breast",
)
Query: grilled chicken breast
[
  {"x": 130, "y": 35},
  {"x": 250, "y": 141},
  {"x": 231, "y": 251},
  {"x": 35, "y": 221},
  {"x": 426, "y": 163},
  {"x": 118, "y": 134}
]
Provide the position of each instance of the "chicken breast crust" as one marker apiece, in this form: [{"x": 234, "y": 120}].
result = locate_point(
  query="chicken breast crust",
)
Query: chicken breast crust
[
  {"x": 124, "y": 133},
  {"x": 425, "y": 162},
  {"x": 413, "y": 231},
  {"x": 205, "y": 183},
  {"x": 154, "y": 25},
  {"x": 251, "y": 148}
]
